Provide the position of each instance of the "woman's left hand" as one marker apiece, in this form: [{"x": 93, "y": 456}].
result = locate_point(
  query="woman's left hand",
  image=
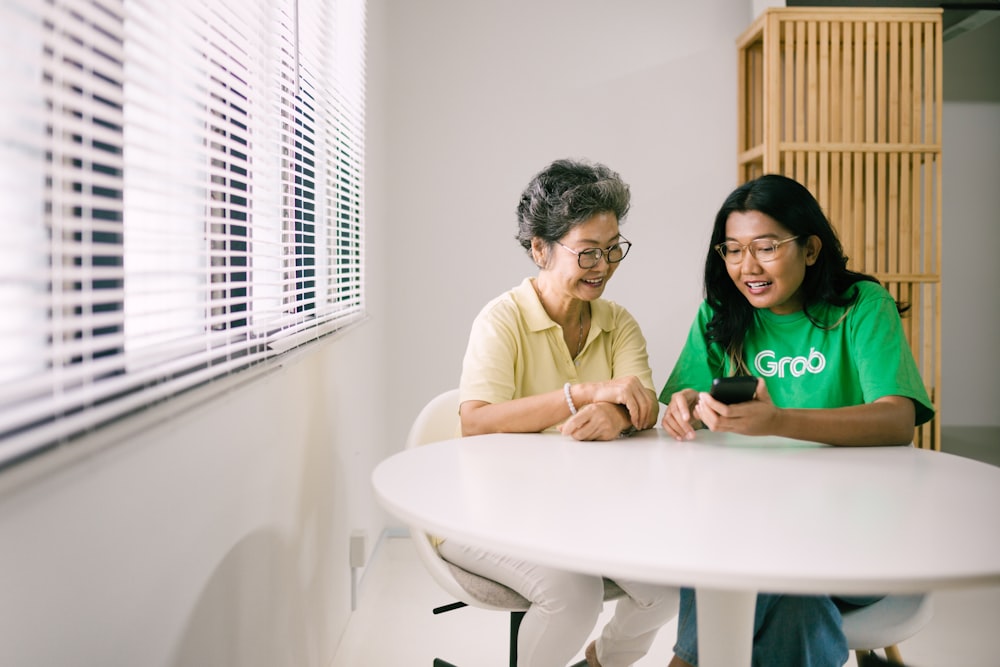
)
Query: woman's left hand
[
  {"x": 595, "y": 421},
  {"x": 753, "y": 417}
]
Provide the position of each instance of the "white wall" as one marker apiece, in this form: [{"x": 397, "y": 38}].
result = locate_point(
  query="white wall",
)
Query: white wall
[
  {"x": 971, "y": 219},
  {"x": 484, "y": 94},
  {"x": 217, "y": 538}
]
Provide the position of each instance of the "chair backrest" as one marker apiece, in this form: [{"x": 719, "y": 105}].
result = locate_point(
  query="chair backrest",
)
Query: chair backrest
[
  {"x": 891, "y": 620},
  {"x": 439, "y": 420}
]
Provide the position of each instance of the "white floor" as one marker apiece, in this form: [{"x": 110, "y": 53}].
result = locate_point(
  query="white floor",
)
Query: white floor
[{"x": 393, "y": 625}]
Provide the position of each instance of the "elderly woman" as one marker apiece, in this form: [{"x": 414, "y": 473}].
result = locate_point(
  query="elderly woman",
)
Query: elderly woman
[{"x": 551, "y": 354}]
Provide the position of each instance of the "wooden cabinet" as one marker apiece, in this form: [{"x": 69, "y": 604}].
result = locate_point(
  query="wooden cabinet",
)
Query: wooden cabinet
[{"x": 848, "y": 102}]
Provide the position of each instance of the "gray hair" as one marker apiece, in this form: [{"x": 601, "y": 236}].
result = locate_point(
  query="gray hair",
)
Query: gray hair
[{"x": 565, "y": 194}]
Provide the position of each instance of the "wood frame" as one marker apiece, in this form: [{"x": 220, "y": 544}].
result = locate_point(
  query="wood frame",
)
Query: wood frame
[{"x": 848, "y": 102}]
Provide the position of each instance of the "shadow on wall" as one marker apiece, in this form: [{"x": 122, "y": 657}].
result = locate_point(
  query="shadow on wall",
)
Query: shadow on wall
[
  {"x": 251, "y": 612},
  {"x": 268, "y": 601}
]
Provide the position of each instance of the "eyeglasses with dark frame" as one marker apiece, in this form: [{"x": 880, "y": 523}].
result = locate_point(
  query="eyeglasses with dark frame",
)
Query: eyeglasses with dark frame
[
  {"x": 762, "y": 250},
  {"x": 588, "y": 258}
]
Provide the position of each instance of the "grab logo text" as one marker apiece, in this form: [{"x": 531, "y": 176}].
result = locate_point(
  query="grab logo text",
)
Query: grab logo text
[{"x": 768, "y": 366}]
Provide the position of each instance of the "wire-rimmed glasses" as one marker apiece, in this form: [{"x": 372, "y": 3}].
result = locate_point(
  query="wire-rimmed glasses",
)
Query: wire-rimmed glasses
[
  {"x": 588, "y": 258},
  {"x": 762, "y": 250}
]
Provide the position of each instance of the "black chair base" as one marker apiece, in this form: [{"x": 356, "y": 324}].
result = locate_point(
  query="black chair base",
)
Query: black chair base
[
  {"x": 515, "y": 624},
  {"x": 872, "y": 659}
]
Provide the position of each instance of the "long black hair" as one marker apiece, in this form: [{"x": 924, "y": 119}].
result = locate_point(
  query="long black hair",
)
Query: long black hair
[{"x": 828, "y": 280}]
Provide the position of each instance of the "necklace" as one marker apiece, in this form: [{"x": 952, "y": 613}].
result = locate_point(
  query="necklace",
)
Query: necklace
[{"x": 579, "y": 342}]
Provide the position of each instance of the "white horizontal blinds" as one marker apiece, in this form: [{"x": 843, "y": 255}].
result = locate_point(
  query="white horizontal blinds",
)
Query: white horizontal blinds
[
  {"x": 347, "y": 114},
  {"x": 206, "y": 98},
  {"x": 68, "y": 230},
  {"x": 167, "y": 190},
  {"x": 308, "y": 171},
  {"x": 328, "y": 242},
  {"x": 24, "y": 250},
  {"x": 168, "y": 179}
]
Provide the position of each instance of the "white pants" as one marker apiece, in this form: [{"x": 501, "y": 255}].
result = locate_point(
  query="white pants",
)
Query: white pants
[{"x": 565, "y": 607}]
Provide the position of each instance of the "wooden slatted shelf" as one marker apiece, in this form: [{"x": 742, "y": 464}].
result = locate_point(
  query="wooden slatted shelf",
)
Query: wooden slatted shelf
[{"x": 848, "y": 102}]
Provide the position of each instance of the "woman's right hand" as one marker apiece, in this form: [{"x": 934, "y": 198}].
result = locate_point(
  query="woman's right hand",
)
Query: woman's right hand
[
  {"x": 640, "y": 402},
  {"x": 679, "y": 420}
]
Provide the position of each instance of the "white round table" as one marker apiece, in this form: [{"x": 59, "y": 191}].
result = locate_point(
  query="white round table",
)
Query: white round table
[{"x": 728, "y": 515}]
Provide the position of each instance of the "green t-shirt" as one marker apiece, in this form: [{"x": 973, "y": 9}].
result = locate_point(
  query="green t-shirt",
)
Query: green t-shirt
[{"x": 863, "y": 357}]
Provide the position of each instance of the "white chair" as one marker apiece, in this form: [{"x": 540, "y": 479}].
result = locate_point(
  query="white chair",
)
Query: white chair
[
  {"x": 886, "y": 623},
  {"x": 439, "y": 420}
]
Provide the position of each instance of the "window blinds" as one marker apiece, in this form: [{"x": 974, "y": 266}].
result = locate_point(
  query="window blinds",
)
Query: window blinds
[{"x": 183, "y": 189}]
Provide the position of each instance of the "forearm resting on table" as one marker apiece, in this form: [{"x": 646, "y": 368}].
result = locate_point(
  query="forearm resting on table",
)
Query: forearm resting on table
[
  {"x": 531, "y": 414},
  {"x": 886, "y": 421}
]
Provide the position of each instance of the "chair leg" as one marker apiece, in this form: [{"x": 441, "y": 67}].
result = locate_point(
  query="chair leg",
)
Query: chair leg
[
  {"x": 448, "y": 607},
  {"x": 872, "y": 659},
  {"x": 892, "y": 652},
  {"x": 438, "y": 662},
  {"x": 515, "y": 624}
]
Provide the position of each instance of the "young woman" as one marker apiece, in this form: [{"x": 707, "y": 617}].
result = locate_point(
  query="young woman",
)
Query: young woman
[
  {"x": 551, "y": 354},
  {"x": 832, "y": 365}
]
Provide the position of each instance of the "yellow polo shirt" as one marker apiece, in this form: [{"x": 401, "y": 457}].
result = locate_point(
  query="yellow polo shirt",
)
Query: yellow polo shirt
[{"x": 515, "y": 349}]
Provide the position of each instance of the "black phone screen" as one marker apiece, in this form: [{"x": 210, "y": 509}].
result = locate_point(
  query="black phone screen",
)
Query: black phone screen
[{"x": 734, "y": 389}]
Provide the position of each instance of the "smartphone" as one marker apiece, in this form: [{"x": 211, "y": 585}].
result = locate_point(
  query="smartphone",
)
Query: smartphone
[{"x": 735, "y": 389}]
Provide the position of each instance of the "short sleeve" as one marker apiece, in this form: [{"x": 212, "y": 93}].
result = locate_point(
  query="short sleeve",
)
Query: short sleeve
[
  {"x": 488, "y": 368},
  {"x": 629, "y": 354},
  {"x": 884, "y": 361},
  {"x": 698, "y": 362}
]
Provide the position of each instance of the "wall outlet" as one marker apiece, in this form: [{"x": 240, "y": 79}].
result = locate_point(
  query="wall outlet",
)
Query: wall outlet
[{"x": 358, "y": 548}]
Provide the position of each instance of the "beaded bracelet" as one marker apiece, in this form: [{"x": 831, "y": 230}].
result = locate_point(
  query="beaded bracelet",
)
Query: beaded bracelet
[{"x": 569, "y": 399}]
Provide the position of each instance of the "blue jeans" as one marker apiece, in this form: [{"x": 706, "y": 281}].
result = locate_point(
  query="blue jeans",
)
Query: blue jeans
[{"x": 792, "y": 630}]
